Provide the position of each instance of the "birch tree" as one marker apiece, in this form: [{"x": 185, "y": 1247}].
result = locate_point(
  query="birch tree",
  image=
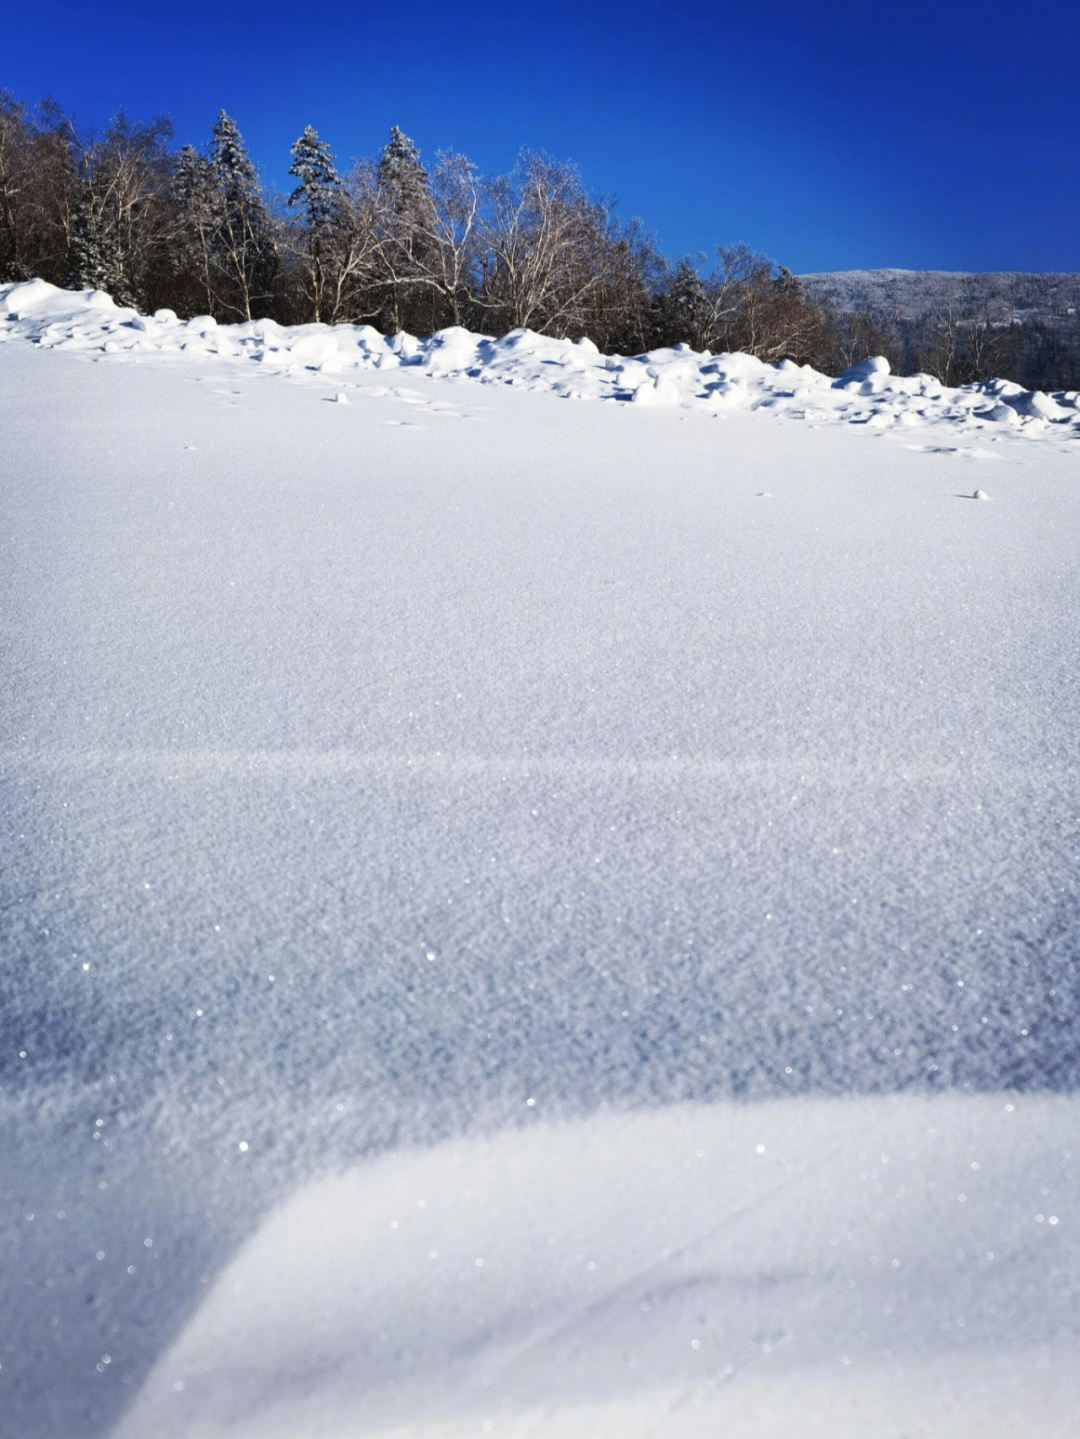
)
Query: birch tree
[{"x": 541, "y": 233}]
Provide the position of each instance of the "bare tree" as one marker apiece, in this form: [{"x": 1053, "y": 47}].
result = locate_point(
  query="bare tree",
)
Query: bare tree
[
  {"x": 449, "y": 258},
  {"x": 353, "y": 255},
  {"x": 778, "y": 323},
  {"x": 855, "y": 336},
  {"x": 939, "y": 358},
  {"x": 738, "y": 305},
  {"x": 16, "y": 188},
  {"x": 986, "y": 345},
  {"x": 541, "y": 233},
  {"x": 619, "y": 311},
  {"x": 738, "y": 273},
  {"x": 38, "y": 191}
]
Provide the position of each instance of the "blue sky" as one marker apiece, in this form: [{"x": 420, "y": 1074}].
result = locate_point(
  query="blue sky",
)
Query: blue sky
[{"x": 825, "y": 135}]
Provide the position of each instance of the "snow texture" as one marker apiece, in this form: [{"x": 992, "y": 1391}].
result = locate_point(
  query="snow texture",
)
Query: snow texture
[
  {"x": 475, "y": 798},
  {"x": 657, "y": 1274}
]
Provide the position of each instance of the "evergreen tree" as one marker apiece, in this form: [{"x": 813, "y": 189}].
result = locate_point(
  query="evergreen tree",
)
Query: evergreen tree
[
  {"x": 320, "y": 186},
  {"x": 192, "y": 177},
  {"x": 405, "y": 231},
  {"x": 319, "y": 191},
  {"x": 93, "y": 261},
  {"x": 195, "y": 203},
  {"x": 116, "y": 238},
  {"x": 688, "y": 313},
  {"x": 243, "y": 249},
  {"x": 235, "y": 173},
  {"x": 401, "y": 178}
]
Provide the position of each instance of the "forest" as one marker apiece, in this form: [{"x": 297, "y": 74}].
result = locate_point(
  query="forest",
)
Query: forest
[{"x": 401, "y": 246}]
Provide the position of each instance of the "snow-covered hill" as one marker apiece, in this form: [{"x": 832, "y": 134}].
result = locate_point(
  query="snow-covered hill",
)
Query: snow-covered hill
[
  {"x": 609, "y": 824},
  {"x": 1050, "y": 299}
]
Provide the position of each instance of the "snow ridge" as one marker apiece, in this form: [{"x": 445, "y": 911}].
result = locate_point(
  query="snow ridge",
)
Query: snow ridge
[{"x": 90, "y": 322}]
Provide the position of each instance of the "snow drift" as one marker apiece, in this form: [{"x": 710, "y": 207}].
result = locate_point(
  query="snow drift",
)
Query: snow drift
[
  {"x": 89, "y": 322},
  {"x": 659, "y": 1274}
]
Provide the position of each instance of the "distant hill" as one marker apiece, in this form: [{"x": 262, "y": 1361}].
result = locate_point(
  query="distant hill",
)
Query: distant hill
[
  {"x": 1013, "y": 297},
  {"x": 1035, "y": 318}
]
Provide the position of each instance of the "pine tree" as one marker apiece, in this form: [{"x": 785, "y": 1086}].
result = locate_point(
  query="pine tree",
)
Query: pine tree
[
  {"x": 319, "y": 191},
  {"x": 95, "y": 258},
  {"x": 689, "y": 314},
  {"x": 194, "y": 200},
  {"x": 320, "y": 186},
  {"x": 243, "y": 248},
  {"x": 405, "y": 225},
  {"x": 401, "y": 178},
  {"x": 234, "y": 171},
  {"x": 192, "y": 177},
  {"x": 92, "y": 262}
]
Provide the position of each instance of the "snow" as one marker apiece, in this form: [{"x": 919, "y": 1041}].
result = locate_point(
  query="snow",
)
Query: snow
[
  {"x": 866, "y": 393},
  {"x": 864, "y": 370},
  {"x": 656, "y": 1273},
  {"x": 455, "y": 794}
]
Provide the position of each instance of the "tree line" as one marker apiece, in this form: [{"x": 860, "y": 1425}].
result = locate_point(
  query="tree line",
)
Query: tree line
[
  {"x": 390, "y": 243},
  {"x": 960, "y": 344}
]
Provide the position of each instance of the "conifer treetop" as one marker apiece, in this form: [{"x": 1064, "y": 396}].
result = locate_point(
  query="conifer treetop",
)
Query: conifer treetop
[
  {"x": 230, "y": 157},
  {"x": 313, "y": 166}
]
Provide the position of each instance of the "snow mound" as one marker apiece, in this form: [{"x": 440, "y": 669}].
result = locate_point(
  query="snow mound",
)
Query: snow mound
[
  {"x": 864, "y": 370},
  {"x": 664, "y": 1268},
  {"x": 23, "y": 300},
  {"x": 866, "y": 393}
]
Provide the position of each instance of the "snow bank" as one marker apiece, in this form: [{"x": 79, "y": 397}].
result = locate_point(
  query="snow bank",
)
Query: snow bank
[
  {"x": 814, "y": 1269},
  {"x": 866, "y": 394}
]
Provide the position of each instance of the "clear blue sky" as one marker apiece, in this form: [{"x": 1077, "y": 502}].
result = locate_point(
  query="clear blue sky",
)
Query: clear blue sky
[{"x": 829, "y": 135}]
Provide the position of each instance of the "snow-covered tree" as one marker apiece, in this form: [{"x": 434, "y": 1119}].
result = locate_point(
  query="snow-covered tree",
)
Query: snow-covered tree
[
  {"x": 93, "y": 254},
  {"x": 116, "y": 236},
  {"x": 320, "y": 194},
  {"x": 688, "y": 310},
  {"x": 402, "y": 179},
  {"x": 543, "y": 237},
  {"x": 244, "y": 251},
  {"x": 191, "y": 242},
  {"x": 451, "y": 259},
  {"x": 235, "y": 173},
  {"x": 319, "y": 189},
  {"x": 404, "y": 230}
]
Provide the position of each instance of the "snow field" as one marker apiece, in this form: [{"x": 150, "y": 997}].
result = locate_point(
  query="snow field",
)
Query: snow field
[{"x": 371, "y": 770}]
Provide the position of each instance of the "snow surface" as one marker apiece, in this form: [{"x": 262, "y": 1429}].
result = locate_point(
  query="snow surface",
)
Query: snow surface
[
  {"x": 659, "y": 1274},
  {"x": 608, "y": 827}
]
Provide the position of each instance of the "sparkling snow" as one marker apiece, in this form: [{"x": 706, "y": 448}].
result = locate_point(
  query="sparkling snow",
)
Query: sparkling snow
[{"x": 647, "y": 836}]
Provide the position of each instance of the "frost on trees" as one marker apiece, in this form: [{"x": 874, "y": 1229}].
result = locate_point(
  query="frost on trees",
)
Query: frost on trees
[
  {"x": 319, "y": 192},
  {"x": 243, "y": 251},
  {"x": 405, "y": 234}
]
